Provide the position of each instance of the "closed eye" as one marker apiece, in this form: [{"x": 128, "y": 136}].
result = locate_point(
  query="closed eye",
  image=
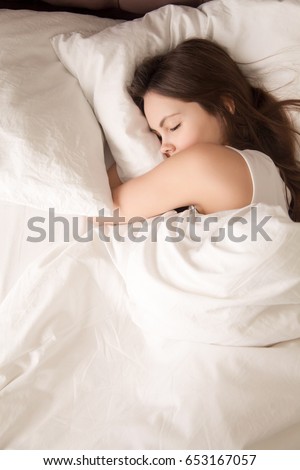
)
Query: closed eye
[
  {"x": 175, "y": 128},
  {"x": 171, "y": 130}
]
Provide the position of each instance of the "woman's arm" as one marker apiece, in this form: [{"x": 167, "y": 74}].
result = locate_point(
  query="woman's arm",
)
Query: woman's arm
[{"x": 211, "y": 177}]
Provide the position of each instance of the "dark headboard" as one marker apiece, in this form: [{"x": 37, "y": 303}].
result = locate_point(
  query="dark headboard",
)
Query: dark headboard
[{"x": 42, "y": 6}]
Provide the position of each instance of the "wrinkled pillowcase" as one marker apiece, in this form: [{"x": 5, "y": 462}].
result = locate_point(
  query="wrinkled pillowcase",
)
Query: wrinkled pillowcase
[
  {"x": 51, "y": 144},
  {"x": 104, "y": 63}
]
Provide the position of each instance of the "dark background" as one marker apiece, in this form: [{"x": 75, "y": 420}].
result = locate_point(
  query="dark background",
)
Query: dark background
[{"x": 41, "y": 6}]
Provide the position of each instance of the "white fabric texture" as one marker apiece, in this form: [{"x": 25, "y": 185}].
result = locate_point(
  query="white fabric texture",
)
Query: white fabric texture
[
  {"x": 17, "y": 251},
  {"x": 104, "y": 66},
  {"x": 253, "y": 32},
  {"x": 150, "y": 344},
  {"x": 51, "y": 145},
  {"x": 188, "y": 345},
  {"x": 262, "y": 169}
]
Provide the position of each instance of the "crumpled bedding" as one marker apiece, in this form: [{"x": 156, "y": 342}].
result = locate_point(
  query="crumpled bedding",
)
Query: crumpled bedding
[
  {"x": 156, "y": 344},
  {"x": 150, "y": 343}
]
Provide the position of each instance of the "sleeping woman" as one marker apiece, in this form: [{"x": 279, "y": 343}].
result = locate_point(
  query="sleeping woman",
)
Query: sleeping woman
[{"x": 226, "y": 144}]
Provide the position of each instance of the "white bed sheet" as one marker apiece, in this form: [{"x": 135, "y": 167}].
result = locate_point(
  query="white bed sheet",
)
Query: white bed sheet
[
  {"x": 90, "y": 362},
  {"x": 29, "y": 56},
  {"x": 114, "y": 346},
  {"x": 16, "y": 252}
]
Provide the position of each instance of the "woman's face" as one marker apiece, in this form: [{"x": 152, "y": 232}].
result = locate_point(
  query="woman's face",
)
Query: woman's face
[{"x": 179, "y": 125}]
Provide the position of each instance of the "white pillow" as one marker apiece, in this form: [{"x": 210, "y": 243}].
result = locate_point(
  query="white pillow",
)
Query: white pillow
[
  {"x": 264, "y": 38},
  {"x": 104, "y": 63},
  {"x": 51, "y": 144}
]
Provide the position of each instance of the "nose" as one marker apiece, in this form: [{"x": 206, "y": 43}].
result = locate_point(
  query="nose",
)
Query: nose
[{"x": 167, "y": 149}]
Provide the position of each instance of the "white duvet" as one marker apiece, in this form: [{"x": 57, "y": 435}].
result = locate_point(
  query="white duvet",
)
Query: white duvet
[
  {"x": 145, "y": 344},
  {"x": 156, "y": 344}
]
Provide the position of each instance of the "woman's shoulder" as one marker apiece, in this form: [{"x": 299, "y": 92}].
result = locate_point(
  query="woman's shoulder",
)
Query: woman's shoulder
[
  {"x": 211, "y": 154},
  {"x": 211, "y": 177},
  {"x": 213, "y": 157},
  {"x": 223, "y": 174}
]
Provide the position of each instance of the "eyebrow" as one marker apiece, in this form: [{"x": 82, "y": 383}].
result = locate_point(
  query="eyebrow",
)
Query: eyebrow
[{"x": 163, "y": 120}]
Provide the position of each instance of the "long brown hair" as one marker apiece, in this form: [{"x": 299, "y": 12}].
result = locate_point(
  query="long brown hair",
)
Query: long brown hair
[{"x": 198, "y": 70}]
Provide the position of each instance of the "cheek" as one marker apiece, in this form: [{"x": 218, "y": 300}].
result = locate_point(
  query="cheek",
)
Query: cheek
[
  {"x": 192, "y": 136},
  {"x": 211, "y": 131}
]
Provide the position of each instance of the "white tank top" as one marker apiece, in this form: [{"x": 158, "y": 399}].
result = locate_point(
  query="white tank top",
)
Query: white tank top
[{"x": 268, "y": 186}]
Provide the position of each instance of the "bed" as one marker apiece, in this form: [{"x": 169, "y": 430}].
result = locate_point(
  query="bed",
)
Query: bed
[{"x": 132, "y": 342}]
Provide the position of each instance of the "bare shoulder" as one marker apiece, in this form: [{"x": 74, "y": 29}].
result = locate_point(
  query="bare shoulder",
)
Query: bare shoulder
[
  {"x": 210, "y": 177},
  {"x": 223, "y": 177},
  {"x": 212, "y": 156}
]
